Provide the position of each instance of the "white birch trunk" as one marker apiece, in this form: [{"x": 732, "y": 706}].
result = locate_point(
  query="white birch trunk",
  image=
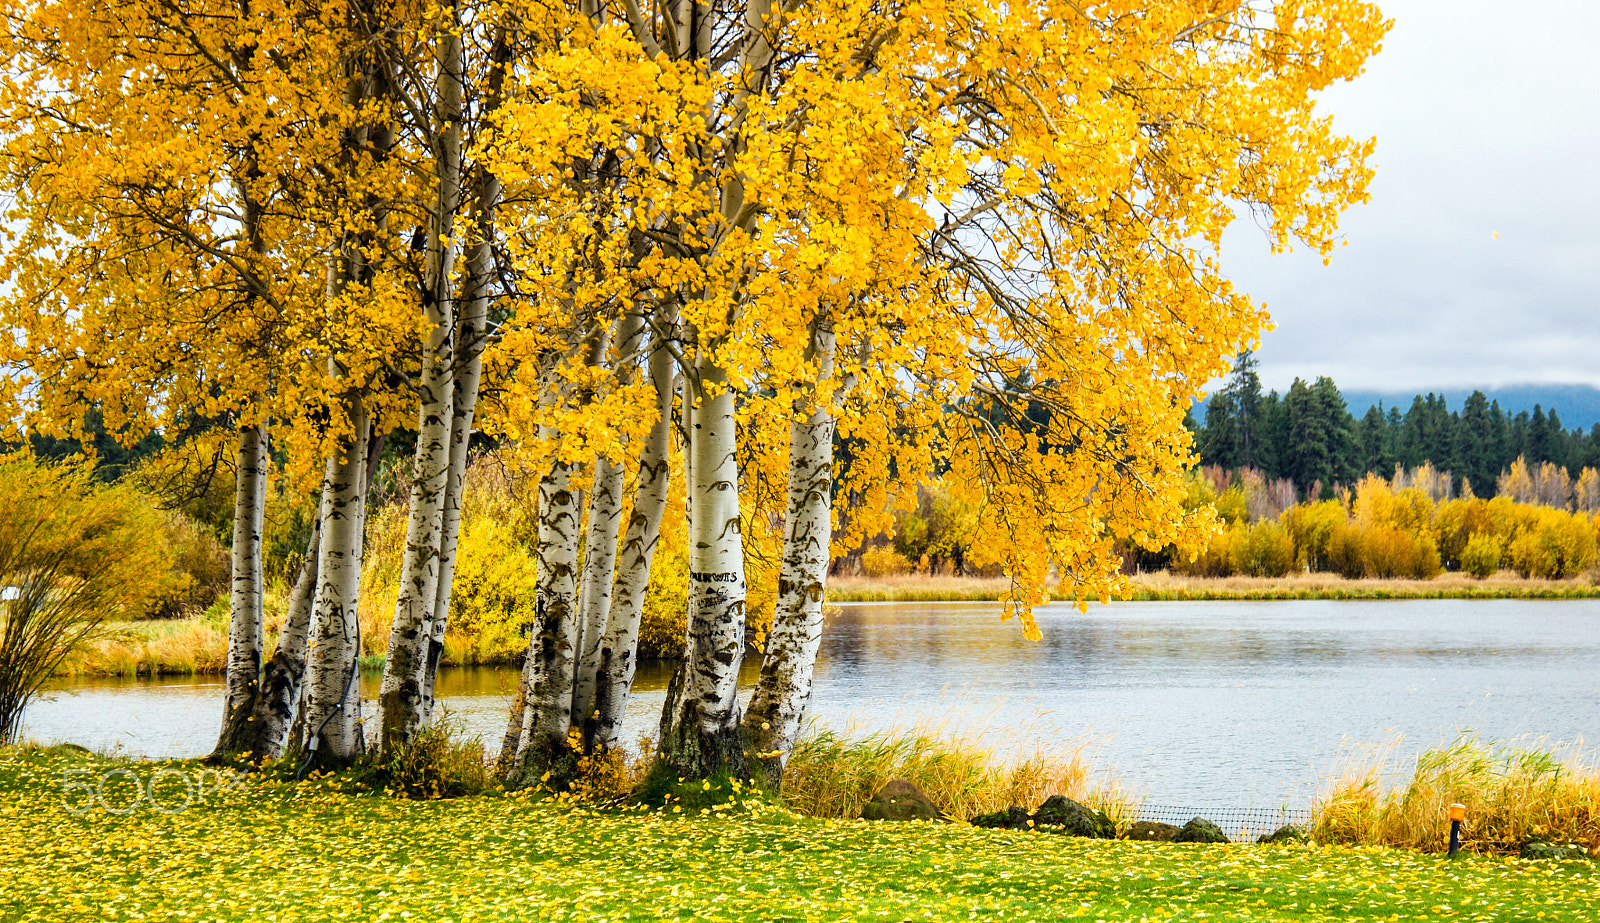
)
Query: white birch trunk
[
  {"x": 546, "y": 716},
  {"x": 600, "y": 548},
  {"x": 280, "y": 678},
  {"x": 243, "y": 679},
  {"x": 400, "y": 693},
  {"x": 618, "y": 655},
  {"x": 332, "y": 694},
  {"x": 700, "y": 724},
  {"x": 469, "y": 372},
  {"x": 594, "y": 593},
  {"x": 511, "y": 743},
  {"x": 471, "y": 329},
  {"x": 400, "y": 696},
  {"x": 784, "y": 689}
]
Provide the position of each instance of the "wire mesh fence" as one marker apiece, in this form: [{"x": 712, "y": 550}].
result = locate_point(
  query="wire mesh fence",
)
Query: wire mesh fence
[{"x": 1240, "y": 824}]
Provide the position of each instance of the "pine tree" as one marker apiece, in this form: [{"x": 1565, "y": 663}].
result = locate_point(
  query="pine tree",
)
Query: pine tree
[
  {"x": 1478, "y": 439},
  {"x": 1272, "y": 436},
  {"x": 1538, "y": 445},
  {"x": 1375, "y": 441}
]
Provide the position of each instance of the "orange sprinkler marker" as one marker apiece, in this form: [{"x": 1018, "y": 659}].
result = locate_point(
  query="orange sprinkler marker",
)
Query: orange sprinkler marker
[{"x": 1458, "y": 816}]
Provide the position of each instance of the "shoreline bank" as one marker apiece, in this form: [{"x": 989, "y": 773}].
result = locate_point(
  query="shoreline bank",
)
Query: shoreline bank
[{"x": 1165, "y": 586}]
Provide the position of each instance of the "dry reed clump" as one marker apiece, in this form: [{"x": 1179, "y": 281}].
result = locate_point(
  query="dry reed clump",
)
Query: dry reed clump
[
  {"x": 1513, "y": 795},
  {"x": 180, "y": 648},
  {"x": 611, "y": 776},
  {"x": 1164, "y": 585},
  {"x": 171, "y": 647},
  {"x": 916, "y": 588},
  {"x": 834, "y": 775},
  {"x": 442, "y": 761}
]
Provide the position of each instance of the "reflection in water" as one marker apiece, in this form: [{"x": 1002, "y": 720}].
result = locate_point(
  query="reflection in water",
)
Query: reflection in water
[{"x": 1225, "y": 704}]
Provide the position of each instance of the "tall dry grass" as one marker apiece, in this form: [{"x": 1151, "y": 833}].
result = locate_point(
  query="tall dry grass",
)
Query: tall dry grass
[
  {"x": 1165, "y": 585},
  {"x": 165, "y": 648},
  {"x": 915, "y": 588},
  {"x": 196, "y": 645},
  {"x": 833, "y": 774},
  {"x": 1513, "y": 794}
]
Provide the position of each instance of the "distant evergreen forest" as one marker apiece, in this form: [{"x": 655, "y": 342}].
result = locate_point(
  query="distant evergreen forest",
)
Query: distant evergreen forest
[{"x": 1309, "y": 437}]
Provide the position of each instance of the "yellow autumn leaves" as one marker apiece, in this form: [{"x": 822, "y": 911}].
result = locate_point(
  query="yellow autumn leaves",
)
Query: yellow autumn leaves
[
  {"x": 1008, "y": 214},
  {"x": 291, "y": 854}
]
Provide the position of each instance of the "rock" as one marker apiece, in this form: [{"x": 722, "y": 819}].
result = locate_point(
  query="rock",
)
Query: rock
[
  {"x": 1288, "y": 833},
  {"x": 1063, "y": 815},
  {"x": 1200, "y": 830},
  {"x": 1152, "y": 830},
  {"x": 1012, "y": 818},
  {"x": 900, "y": 800},
  {"x": 1539, "y": 849}
]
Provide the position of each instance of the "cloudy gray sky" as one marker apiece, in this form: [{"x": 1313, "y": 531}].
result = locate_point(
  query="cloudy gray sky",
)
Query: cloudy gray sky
[{"x": 1487, "y": 116}]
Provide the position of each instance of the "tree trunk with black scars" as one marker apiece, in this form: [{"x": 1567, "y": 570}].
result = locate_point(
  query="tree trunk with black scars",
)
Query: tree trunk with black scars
[
  {"x": 619, "y": 649},
  {"x": 600, "y": 550},
  {"x": 594, "y": 590},
  {"x": 400, "y": 696},
  {"x": 471, "y": 332},
  {"x": 546, "y": 716},
  {"x": 282, "y": 675},
  {"x": 784, "y": 689},
  {"x": 332, "y": 692},
  {"x": 700, "y": 722},
  {"x": 243, "y": 679}
]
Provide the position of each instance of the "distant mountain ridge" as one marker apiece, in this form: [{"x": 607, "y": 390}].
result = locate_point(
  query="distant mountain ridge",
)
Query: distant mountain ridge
[{"x": 1577, "y": 405}]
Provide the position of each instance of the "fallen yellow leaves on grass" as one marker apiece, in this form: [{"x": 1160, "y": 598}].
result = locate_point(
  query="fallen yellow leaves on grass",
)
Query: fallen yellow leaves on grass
[{"x": 281, "y": 852}]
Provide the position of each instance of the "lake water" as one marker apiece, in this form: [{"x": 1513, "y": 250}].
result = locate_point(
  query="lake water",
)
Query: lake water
[{"x": 1202, "y": 704}]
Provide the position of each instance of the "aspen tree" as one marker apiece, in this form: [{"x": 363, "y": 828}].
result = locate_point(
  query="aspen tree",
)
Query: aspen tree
[
  {"x": 400, "y": 698},
  {"x": 1021, "y": 204},
  {"x": 173, "y": 244},
  {"x": 283, "y": 672},
  {"x": 547, "y": 702},
  {"x": 469, "y": 341},
  {"x": 252, "y": 470},
  {"x": 333, "y": 721},
  {"x": 790, "y": 653},
  {"x": 618, "y": 654}
]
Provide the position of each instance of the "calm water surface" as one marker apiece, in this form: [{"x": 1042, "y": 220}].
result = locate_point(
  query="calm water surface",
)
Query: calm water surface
[{"x": 1208, "y": 704}]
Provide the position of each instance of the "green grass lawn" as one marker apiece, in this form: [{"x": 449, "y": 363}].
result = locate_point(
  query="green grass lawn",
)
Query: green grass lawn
[{"x": 275, "y": 852}]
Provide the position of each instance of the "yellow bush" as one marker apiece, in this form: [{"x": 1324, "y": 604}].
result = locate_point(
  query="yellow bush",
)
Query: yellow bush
[
  {"x": 493, "y": 598},
  {"x": 939, "y": 528},
  {"x": 198, "y": 567},
  {"x": 666, "y": 605},
  {"x": 382, "y": 553},
  {"x": 109, "y": 533},
  {"x": 1409, "y": 510},
  {"x": 1217, "y": 560},
  {"x": 1261, "y": 550},
  {"x": 1453, "y": 522},
  {"x": 1311, "y": 527},
  {"x": 1481, "y": 556},
  {"x": 1555, "y": 545},
  {"x": 1232, "y": 506},
  {"x": 884, "y": 561},
  {"x": 75, "y": 553},
  {"x": 1382, "y": 551}
]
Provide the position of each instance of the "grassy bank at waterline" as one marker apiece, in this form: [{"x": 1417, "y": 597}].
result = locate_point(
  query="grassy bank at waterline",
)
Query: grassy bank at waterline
[
  {"x": 274, "y": 851},
  {"x": 1164, "y": 585}
]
